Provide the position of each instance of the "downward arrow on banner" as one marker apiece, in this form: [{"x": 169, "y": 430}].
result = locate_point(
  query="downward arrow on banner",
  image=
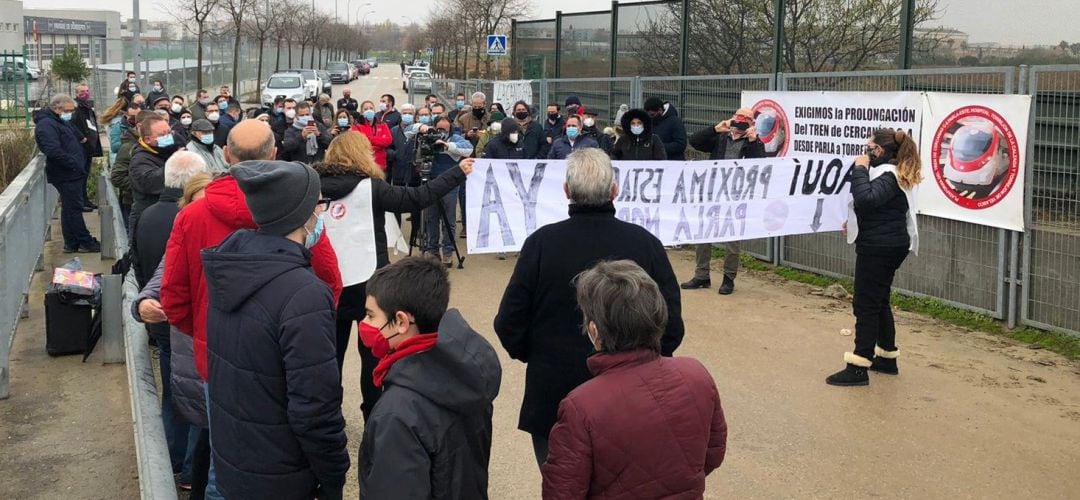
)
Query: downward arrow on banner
[{"x": 817, "y": 215}]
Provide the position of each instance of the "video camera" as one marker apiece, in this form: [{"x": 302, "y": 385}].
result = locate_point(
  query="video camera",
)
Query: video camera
[{"x": 427, "y": 149}]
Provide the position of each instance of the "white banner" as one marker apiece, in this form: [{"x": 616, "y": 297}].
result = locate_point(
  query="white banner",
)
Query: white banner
[
  {"x": 511, "y": 91},
  {"x": 973, "y": 150},
  {"x": 679, "y": 202}
]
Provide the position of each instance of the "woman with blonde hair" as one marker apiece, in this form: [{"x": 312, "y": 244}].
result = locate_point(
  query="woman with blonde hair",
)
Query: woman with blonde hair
[
  {"x": 882, "y": 225},
  {"x": 357, "y": 227},
  {"x": 195, "y": 188}
]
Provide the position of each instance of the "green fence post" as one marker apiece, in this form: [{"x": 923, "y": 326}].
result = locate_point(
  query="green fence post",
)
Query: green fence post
[
  {"x": 614, "y": 36},
  {"x": 558, "y": 43},
  {"x": 778, "y": 35},
  {"x": 26, "y": 95}
]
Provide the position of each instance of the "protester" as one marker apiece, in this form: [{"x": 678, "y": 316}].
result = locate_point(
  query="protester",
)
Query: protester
[
  {"x": 120, "y": 172},
  {"x": 182, "y": 128},
  {"x": 387, "y": 114},
  {"x": 353, "y": 181},
  {"x": 589, "y": 129},
  {"x": 639, "y": 143},
  {"x": 323, "y": 111},
  {"x": 553, "y": 128},
  {"x": 176, "y": 108},
  {"x": 348, "y": 103},
  {"x": 497, "y": 112},
  {"x": 470, "y": 122},
  {"x": 491, "y": 132},
  {"x": 147, "y": 171},
  {"x": 139, "y": 101},
  {"x": 646, "y": 426},
  {"x": 86, "y": 122},
  {"x": 202, "y": 144},
  {"x": 507, "y": 144},
  {"x": 401, "y": 158},
  {"x": 732, "y": 139},
  {"x": 157, "y": 92},
  {"x": 202, "y": 100},
  {"x": 571, "y": 141},
  {"x": 531, "y": 133},
  {"x": 65, "y": 169},
  {"x": 459, "y": 107},
  {"x": 439, "y": 224},
  {"x": 274, "y": 399},
  {"x": 161, "y": 103},
  {"x": 233, "y": 102},
  {"x": 230, "y": 116},
  {"x": 883, "y": 227},
  {"x": 668, "y": 125},
  {"x": 377, "y": 132},
  {"x": 343, "y": 122},
  {"x": 129, "y": 87},
  {"x": 430, "y": 434},
  {"x": 115, "y": 119},
  {"x": 438, "y": 109},
  {"x": 538, "y": 321},
  {"x": 282, "y": 123},
  {"x": 306, "y": 140},
  {"x": 429, "y": 100}
]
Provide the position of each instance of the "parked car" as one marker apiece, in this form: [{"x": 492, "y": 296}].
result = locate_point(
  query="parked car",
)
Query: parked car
[
  {"x": 340, "y": 71},
  {"x": 312, "y": 83},
  {"x": 419, "y": 81},
  {"x": 15, "y": 71},
  {"x": 324, "y": 81},
  {"x": 287, "y": 85},
  {"x": 374, "y": 62}
]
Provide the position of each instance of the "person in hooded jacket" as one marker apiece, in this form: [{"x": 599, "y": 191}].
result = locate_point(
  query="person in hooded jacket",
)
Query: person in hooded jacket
[
  {"x": 430, "y": 434},
  {"x": 274, "y": 393},
  {"x": 507, "y": 145},
  {"x": 532, "y": 138},
  {"x": 356, "y": 225},
  {"x": 182, "y": 127},
  {"x": 645, "y": 426},
  {"x": 377, "y": 132},
  {"x": 638, "y": 143},
  {"x": 668, "y": 125}
]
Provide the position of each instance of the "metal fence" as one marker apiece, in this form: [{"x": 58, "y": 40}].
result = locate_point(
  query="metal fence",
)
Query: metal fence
[
  {"x": 14, "y": 88},
  {"x": 26, "y": 207},
  {"x": 1018, "y": 277}
]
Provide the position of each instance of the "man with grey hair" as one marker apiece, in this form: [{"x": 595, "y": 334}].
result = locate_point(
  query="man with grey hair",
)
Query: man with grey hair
[
  {"x": 538, "y": 321},
  {"x": 65, "y": 169},
  {"x": 86, "y": 122}
]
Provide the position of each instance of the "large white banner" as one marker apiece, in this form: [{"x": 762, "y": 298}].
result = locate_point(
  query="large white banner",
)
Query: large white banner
[
  {"x": 973, "y": 149},
  {"x": 679, "y": 202},
  {"x": 511, "y": 91}
]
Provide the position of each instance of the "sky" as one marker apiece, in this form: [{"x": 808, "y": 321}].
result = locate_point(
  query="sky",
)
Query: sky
[{"x": 1010, "y": 22}]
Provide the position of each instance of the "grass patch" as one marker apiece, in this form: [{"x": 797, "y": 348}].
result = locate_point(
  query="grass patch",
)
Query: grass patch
[{"x": 1061, "y": 343}]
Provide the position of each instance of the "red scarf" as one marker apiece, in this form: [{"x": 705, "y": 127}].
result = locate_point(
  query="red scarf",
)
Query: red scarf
[{"x": 407, "y": 347}]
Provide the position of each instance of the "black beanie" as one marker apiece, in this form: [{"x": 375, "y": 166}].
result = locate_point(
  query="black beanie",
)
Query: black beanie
[{"x": 280, "y": 194}]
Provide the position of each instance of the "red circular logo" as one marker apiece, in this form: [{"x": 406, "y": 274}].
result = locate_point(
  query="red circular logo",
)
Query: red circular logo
[
  {"x": 975, "y": 157},
  {"x": 771, "y": 125},
  {"x": 337, "y": 210}
]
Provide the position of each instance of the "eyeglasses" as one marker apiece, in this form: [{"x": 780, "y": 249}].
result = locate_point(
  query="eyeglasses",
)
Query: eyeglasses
[{"x": 323, "y": 203}]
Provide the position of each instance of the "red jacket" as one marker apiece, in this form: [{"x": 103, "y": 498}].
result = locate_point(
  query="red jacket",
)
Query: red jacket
[
  {"x": 645, "y": 427},
  {"x": 380, "y": 138},
  {"x": 203, "y": 224}
]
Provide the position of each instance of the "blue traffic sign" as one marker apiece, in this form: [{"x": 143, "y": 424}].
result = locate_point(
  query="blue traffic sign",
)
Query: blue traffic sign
[{"x": 496, "y": 45}]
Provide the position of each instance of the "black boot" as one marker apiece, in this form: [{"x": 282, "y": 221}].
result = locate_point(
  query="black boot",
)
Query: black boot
[
  {"x": 885, "y": 361},
  {"x": 854, "y": 374},
  {"x": 696, "y": 283},
  {"x": 727, "y": 286}
]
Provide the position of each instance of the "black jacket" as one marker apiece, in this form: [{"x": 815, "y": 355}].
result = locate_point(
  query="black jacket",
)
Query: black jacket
[
  {"x": 606, "y": 142},
  {"x": 539, "y": 322},
  {"x": 707, "y": 140},
  {"x": 65, "y": 159},
  {"x": 429, "y": 435},
  {"x": 275, "y": 390},
  {"x": 279, "y": 124},
  {"x": 644, "y": 147},
  {"x": 392, "y": 118},
  {"x": 84, "y": 117},
  {"x": 881, "y": 210},
  {"x": 400, "y": 159},
  {"x": 147, "y": 176},
  {"x": 552, "y": 131},
  {"x": 500, "y": 147},
  {"x": 294, "y": 145},
  {"x": 533, "y": 141},
  {"x": 152, "y": 230},
  {"x": 671, "y": 130}
]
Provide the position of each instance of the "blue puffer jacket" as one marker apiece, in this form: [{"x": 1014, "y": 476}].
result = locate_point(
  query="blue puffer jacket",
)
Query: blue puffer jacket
[
  {"x": 275, "y": 389},
  {"x": 65, "y": 157}
]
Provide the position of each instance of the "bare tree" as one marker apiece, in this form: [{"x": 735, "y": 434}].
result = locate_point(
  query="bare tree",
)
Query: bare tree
[
  {"x": 236, "y": 10},
  {"x": 260, "y": 24},
  {"x": 197, "y": 13}
]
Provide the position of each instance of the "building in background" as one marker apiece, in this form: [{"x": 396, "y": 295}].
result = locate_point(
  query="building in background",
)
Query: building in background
[{"x": 96, "y": 33}]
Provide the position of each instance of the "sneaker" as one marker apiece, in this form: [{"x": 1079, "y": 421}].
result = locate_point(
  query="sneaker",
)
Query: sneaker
[
  {"x": 696, "y": 283},
  {"x": 68, "y": 249},
  {"x": 93, "y": 247},
  {"x": 727, "y": 287}
]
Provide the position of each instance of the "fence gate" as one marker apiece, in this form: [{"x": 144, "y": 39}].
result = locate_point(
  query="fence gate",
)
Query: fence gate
[{"x": 14, "y": 88}]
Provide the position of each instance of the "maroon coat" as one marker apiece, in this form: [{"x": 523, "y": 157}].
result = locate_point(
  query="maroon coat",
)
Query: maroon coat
[{"x": 645, "y": 427}]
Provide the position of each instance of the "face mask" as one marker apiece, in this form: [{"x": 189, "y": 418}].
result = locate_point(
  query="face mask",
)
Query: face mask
[
  {"x": 290, "y": 114},
  {"x": 278, "y": 111},
  {"x": 373, "y": 338},
  {"x": 369, "y": 115},
  {"x": 313, "y": 236},
  {"x": 571, "y": 132},
  {"x": 223, "y": 106},
  {"x": 513, "y": 137},
  {"x": 478, "y": 112},
  {"x": 426, "y": 119},
  {"x": 213, "y": 116},
  {"x": 571, "y": 110},
  {"x": 553, "y": 116},
  {"x": 589, "y": 122},
  {"x": 176, "y": 108},
  {"x": 207, "y": 139},
  {"x": 131, "y": 79},
  {"x": 157, "y": 88},
  {"x": 521, "y": 115},
  {"x": 185, "y": 121},
  {"x": 204, "y": 102},
  {"x": 407, "y": 119},
  {"x": 460, "y": 104},
  {"x": 496, "y": 127},
  {"x": 343, "y": 122},
  {"x": 382, "y": 106},
  {"x": 497, "y": 116},
  {"x": 303, "y": 120},
  {"x": 165, "y": 141},
  {"x": 84, "y": 96},
  {"x": 66, "y": 116},
  {"x": 132, "y": 88},
  {"x": 637, "y": 129}
]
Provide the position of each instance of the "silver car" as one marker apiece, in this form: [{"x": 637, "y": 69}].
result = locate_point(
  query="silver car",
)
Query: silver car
[
  {"x": 287, "y": 85},
  {"x": 419, "y": 81}
]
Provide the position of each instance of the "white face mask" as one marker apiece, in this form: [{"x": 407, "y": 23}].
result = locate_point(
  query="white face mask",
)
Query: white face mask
[
  {"x": 496, "y": 127},
  {"x": 290, "y": 113},
  {"x": 513, "y": 137},
  {"x": 589, "y": 122},
  {"x": 185, "y": 121},
  {"x": 213, "y": 116}
]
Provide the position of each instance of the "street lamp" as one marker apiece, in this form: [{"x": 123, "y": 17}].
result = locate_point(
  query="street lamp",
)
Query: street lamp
[
  {"x": 363, "y": 22},
  {"x": 349, "y": 9}
]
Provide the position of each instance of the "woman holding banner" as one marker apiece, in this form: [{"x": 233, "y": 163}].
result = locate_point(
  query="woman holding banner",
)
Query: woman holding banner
[{"x": 881, "y": 224}]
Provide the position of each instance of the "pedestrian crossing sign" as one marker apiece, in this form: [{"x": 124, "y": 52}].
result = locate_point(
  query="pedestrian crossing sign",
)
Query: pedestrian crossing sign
[{"x": 496, "y": 45}]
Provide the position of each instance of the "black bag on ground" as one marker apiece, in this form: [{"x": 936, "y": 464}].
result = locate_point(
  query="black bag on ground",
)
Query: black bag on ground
[{"x": 69, "y": 309}]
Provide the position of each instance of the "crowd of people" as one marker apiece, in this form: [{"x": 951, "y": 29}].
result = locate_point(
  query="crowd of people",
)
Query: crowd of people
[{"x": 260, "y": 241}]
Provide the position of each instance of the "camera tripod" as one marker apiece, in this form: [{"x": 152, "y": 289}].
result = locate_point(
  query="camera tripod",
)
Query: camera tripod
[{"x": 418, "y": 234}]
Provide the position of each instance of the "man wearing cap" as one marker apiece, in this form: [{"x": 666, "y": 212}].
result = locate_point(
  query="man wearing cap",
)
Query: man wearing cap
[
  {"x": 732, "y": 139},
  {"x": 668, "y": 125},
  {"x": 274, "y": 391},
  {"x": 202, "y": 144}
]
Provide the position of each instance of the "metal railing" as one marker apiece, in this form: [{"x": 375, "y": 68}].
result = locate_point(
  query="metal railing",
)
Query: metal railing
[{"x": 26, "y": 207}]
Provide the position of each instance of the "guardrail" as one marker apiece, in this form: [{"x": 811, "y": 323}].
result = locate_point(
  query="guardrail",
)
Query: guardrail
[{"x": 26, "y": 206}]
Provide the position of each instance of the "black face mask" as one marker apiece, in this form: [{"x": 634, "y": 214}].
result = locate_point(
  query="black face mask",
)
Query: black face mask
[
  {"x": 740, "y": 126},
  {"x": 553, "y": 116},
  {"x": 521, "y": 115},
  {"x": 478, "y": 112},
  {"x": 876, "y": 160}
]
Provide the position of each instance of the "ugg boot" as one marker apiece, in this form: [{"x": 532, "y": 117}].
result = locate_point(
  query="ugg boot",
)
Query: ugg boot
[
  {"x": 854, "y": 374},
  {"x": 885, "y": 361}
]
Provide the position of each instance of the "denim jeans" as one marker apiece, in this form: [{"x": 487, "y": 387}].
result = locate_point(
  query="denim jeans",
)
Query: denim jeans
[
  {"x": 72, "y": 224},
  {"x": 434, "y": 220},
  {"x": 212, "y": 492}
]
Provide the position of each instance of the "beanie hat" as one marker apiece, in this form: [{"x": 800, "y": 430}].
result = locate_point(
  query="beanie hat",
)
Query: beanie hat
[
  {"x": 572, "y": 99},
  {"x": 653, "y": 104},
  {"x": 280, "y": 194}
]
